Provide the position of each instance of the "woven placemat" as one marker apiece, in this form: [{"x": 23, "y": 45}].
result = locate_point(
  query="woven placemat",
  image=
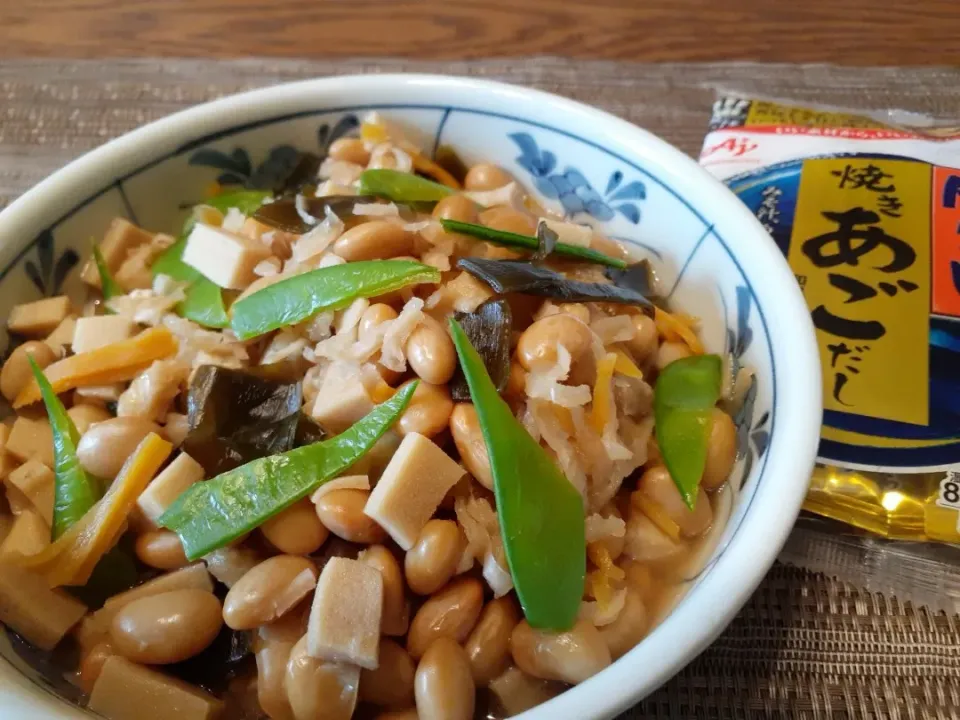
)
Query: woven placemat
[{"x": 805, "y": 646}]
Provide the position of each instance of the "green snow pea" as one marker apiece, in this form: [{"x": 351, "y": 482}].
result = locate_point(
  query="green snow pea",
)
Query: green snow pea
[
  {"x": 210, "y": 514},
  {"x": 289, "y": 301},
  {"x": 541, "y": 513},
  {"x": 683, "y": 398}
]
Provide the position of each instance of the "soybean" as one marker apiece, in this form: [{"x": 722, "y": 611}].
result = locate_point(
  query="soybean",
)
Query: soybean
[
  {"x": 430, "y": 353},
  {"x": 428, "y": 412},
  {"x": 443, "y": 685},
  {"x": 391, "y": 684},
  {"x": 320, "y": 690},
  {"x": 452, "y": 612},
  {"x": 644, "y": 343},
  {"x": 670, "y": 351},
  {"x": 395, "y": 615},
  {"x": 269, "y": 590},
  {"x": 721, "y": 450},
  {"x": 374, "y": 240},
  {"x": 657, "y": 485},
  {"x": 486, "y": 177},
  {"x": 341, "y": 512},
  {"x": 297, "y": 530},
  {"x": 456, "y": 207},
  {"x": 571, "y": 656},
  {"x": 104, "y": 447},
  {"x": 629, "y": 628},
  {"x": 432, "y": 561},
  {"x": 166, "y": 628},
  {"x": 16, "y": 370},
  {"x": 488, "y": 646},
  {"x": 160, "y": 549},
  {"x": 468, "y": 437},
  {"x": 537, "y": 347},
  {"x": 509, "y": 220}
]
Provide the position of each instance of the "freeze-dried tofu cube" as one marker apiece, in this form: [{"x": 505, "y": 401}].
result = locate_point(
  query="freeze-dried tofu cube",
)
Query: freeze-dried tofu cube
[
  {"x": 7, "y": 461},
  {"x": 28, "y": 535},
  {"x": 35, "y": 481},
  {"x": 342, "y": 401},
  {"x": 62, "y": 336},
  {"x": 122, "y": 237},
  {"x": 31, "y": 440},
  {"x": 225, "y": 258},
  {"x": 344, "y": 623},
  {"x": 43, "y": 616},
  {"x": 168, "y": 485},
  {"x": 127, "y": 691},
  {"x": 97, "y": 331},
  {"x": 411, "y": 488},
  {"x": 39, "y": 319}
]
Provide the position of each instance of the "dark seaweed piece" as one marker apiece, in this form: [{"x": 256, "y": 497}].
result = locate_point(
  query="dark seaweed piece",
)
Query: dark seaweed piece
[
  {"x": 546, "y": 242},
  {"x": 488, "y": 329},
  {"x": 282, "y": 213},
  {"x": 308, "y": 431},
  {"x": 637, "y": 276},
  {"x": 115, "y": 572},
  {"x": 213, "y": 668},
  {"x": 518, "y": 276},
  {"x": 236, "y": 417},
  {"x": 447, "y": 158}
]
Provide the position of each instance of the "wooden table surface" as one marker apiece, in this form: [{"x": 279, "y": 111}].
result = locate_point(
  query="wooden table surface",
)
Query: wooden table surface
[{"x": 852, "y": 32}]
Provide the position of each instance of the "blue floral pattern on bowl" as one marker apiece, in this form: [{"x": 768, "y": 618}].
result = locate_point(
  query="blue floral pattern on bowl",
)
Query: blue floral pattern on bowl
[
  {"x": 752, "y": 437},
  {"x": 572, "y": 189},
  {"x": 46, "y": 274},
  {"x": 236, "y": 168}
]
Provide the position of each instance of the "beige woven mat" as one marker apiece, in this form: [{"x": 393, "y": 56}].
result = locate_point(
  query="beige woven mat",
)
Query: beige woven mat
[{"x": 805, "y": 646}]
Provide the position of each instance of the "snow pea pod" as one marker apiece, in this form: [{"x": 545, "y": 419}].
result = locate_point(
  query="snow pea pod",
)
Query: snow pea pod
[
  {"x": 109, "y": 286},
  {"x": 683, "y": 398},
  {"x": 203, "y": 303},
  {"x": 331, "y": 288},
  {"x": 541, "y": 513},
  {"x": 529, "y": 242},
  {"x": 401, "y": 186},
  {"x": 75, "y": 491},
  {"x": 208, "y": 515}
]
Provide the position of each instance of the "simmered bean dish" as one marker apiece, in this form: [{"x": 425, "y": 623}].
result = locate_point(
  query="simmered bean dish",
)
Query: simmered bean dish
[{"x": 380, "y": 437}]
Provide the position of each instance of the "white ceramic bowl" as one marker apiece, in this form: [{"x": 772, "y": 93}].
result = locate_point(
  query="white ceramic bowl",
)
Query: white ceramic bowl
[{"x": 713, "y": 258}]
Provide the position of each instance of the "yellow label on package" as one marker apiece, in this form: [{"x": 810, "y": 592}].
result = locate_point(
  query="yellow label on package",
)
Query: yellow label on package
[
  {"x": 860, "y": 249},
  {"x": 868, "y": 216}
]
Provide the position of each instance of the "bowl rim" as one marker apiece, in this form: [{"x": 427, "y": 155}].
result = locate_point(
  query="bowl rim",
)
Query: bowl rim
[{"x": 792, "y": 449}]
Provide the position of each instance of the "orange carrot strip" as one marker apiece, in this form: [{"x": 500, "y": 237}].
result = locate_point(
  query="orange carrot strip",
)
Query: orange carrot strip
[
  {"x": 658, "y": 516},
  {"x": 602, "y": 398},
  {"x": 71, "y": 559},
  {"x": 672, "y": 327},
  {"x": 625, "y": 366},
  {"x": 117, "y": 362},
  {"x": 429, "y": 167}
]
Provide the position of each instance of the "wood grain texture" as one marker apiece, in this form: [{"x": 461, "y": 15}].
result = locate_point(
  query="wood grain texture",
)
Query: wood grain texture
[{"x": 852, "y": 32}]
